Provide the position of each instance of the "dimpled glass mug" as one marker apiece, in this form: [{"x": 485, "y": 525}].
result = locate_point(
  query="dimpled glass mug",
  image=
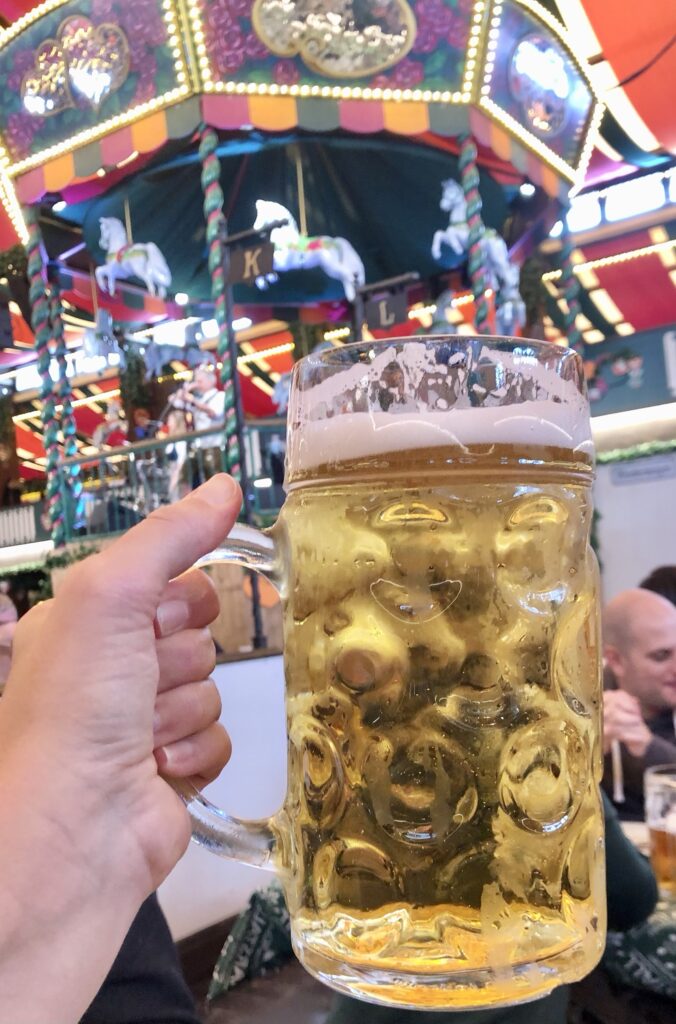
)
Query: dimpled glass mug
[{"x": 441, "y": 841}]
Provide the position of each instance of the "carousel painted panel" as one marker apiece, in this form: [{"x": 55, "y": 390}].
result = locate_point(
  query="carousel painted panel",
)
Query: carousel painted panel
[
  {"x": 534, "y": 86},
  {"x": 323, "y": 48},
  {"x": 73, "y": 71}
]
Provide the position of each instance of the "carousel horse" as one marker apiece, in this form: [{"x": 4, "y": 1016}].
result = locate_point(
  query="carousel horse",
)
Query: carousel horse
[
  {"x": 293, "y": 251},
  {"x": 502, "y": 275},
  {"x": 130, "y": 259}
]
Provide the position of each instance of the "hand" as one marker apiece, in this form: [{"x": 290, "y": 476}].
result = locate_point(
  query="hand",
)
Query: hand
[
  {"x": 623, "y": 721},
  {"x": 108, "y": 695}
]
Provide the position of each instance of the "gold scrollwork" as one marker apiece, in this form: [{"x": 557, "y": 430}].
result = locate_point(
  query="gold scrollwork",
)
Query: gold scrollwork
[{"x": 331, "y": 39}]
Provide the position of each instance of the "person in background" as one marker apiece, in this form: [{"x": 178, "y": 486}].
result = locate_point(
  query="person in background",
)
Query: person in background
[
  {"x": 113, "y": 430},
  {"x": 639, "y": 700},
  {"x": 662, "y": 581},
  {"x": 144, "y": 428},
  {"x": 108, "y": 698},
  {"x": 203, "y": 401}
]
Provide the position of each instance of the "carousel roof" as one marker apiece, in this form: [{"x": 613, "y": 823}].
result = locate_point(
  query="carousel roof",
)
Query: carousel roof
[{"x": 351, "y": 183}]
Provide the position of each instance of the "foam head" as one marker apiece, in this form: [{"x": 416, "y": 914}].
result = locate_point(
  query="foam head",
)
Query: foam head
[{"x": 369, "y": 399}]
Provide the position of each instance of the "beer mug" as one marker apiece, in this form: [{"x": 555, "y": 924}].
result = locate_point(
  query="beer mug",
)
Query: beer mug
[
  {"x": 441, "y": 839},
  {"x": 660, "y": 815}
]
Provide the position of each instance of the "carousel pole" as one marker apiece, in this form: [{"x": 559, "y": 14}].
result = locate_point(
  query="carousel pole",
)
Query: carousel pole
[
  {"x": 570, "y": 288},
  {"x": 469, "y": 173},
  {"x": 215, "y": 218},
  {"x": 40, "y": 321},
  {"x": 65, "y": 394},
  {"x": 227, "y": 344}
]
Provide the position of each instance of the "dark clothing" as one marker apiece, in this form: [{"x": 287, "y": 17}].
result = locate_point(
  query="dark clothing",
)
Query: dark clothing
[
  {"x": 145, "y": 985},
  {"x": 631, "y": 888},
  {"x": 632, "y": 895},
  {"x": 662, "y": 750}
]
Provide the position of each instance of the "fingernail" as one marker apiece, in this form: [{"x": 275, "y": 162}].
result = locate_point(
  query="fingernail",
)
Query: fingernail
[
  {"x": 172, "y": 616},
  {"x": 218, "y": 490},
  {"x": 163, "y": 758}
]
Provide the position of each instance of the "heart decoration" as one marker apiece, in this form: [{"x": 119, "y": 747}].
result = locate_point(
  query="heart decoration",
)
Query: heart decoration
[
  {"x": 80, "y": 68},
  {"x": 344, "y": 41}
]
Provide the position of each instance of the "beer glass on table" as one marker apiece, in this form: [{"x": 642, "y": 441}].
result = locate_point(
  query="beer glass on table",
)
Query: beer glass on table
[
  {"x": 660, "y": 813},
  {"x": 441, "y": 840}
]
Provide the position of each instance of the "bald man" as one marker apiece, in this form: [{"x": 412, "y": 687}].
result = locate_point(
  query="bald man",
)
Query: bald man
[{"x": 639, "y": 646}]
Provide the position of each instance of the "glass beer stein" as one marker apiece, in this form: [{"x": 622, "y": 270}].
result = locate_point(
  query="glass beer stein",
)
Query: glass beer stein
[{"x": 441, "y": 840}]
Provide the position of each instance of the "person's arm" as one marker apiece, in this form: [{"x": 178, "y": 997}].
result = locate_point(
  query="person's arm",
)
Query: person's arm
[
  {"x": 630, "y": 883},
  {"x": 659, "y": 751},
  {"x": 108, "y": 695},
  {"x": 623, "y": 721}
]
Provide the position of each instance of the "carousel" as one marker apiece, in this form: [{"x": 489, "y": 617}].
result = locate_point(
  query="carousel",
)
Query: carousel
[{"x": 221, "y": 185}]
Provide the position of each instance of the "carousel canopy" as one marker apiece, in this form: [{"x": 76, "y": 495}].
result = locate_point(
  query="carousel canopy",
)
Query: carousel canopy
[{"x": 335, "y": 185}]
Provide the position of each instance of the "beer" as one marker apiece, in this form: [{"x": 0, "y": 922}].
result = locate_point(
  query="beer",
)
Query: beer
[
  {"x": 441, "y": 839},
  {"x": 663, "y": 858},
  {"x": 440, "y": 843},
  {"x": 660, "y": 808}
]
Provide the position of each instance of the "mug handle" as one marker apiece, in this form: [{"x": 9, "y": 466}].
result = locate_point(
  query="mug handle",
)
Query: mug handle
[{"x": 250, "y": 841}]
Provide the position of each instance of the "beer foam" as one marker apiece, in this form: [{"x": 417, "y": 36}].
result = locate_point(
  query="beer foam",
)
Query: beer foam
[{"x": 341, "y": 418}]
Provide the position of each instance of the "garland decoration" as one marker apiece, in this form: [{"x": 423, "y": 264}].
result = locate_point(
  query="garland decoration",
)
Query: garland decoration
[
  {"x": 65, "y": 394},
  {"x": 637, "y": 451},
  {"x": 215, "y": 220},
  {"x": 40, "y": 321},
  {"x": 570, "y": 288},
  {"x": 469, "y": 174}
]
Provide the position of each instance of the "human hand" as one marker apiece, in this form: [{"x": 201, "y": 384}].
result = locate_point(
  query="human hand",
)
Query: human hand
[
  {"x": 623, "y": 721},
  {"x": 109, "y": 686},
  {"x": 108, "y": 697}
]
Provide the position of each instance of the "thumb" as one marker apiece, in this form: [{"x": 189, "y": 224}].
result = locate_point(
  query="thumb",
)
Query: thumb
[{"x": 170, "y": 540}]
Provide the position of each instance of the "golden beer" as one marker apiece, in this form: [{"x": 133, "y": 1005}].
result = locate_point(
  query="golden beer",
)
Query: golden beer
[
  {"x": 663, "y": 859},
  {"x": 660, "y": 808},
  {"x": 442, "y": 838}
]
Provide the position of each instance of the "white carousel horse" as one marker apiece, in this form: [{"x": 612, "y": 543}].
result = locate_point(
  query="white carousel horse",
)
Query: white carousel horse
[
  {"x": 510, "y": 309},
  {"x": 502, "y": 275},
  {"x": 293, "y": 251},
  {"x": 130, "y": 259}
]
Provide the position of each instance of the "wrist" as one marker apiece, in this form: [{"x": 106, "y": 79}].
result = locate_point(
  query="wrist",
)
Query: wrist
[
  {"x": 638, "y": 747},
  {"x": 68, "y": 896}
]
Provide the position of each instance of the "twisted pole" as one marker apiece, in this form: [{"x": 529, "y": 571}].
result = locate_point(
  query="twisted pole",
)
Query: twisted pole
[
  {"x": 40, "y": 321},
  {"x": 469, "y": 176},
  {"x": 570, "y": 289},
  {"x": 215, "y": 221},
  {"x": 64, "y": 391}
]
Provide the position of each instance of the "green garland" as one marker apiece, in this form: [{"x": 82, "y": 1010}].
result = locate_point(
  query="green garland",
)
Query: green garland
[
  {"x": 534, "y": 295},
  {"x": 134, "y": 391},
  {"x": 637, "y": 451}
]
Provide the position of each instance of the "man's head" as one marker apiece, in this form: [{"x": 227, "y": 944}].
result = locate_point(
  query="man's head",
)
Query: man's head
[
  {"x": 639, "y": 644},
  {"x": 205, "y": 379}
]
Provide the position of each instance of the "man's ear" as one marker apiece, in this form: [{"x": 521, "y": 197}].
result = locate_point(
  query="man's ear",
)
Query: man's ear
[{"x": 614, "y": 660}]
